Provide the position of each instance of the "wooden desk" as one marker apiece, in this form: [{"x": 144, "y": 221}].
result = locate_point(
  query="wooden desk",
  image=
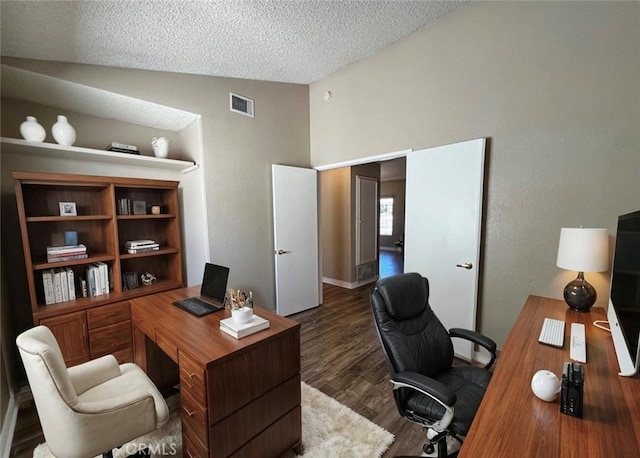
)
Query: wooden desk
[
  {"x": 239, "y": 397},
  {"x": 513, "y": 422}
]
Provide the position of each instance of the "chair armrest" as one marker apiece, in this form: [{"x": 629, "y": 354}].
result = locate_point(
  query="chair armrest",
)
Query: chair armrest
[
  {"x": 430, "y": 388},
  {"x": 92, "y": 373},
  {"x": 122, "y": 401},
  {"x": 480, "y": 339}
]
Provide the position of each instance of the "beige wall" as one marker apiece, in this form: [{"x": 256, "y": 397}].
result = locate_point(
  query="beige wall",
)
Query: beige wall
[
  {"x": 337, "y": 220},
  {"x": 335, "y": 224},
  {"x": 553, "y": 85},
  {"x": 395, "y": 189}
]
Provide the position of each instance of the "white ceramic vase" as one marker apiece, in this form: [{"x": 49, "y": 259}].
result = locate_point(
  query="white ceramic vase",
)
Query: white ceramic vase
[
  {"x": 31, "y": 131},
  {"x": 160, "y": 146},
  {"x": 63, "y": 132}
]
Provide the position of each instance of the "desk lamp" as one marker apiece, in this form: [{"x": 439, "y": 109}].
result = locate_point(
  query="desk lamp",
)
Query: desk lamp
[{"x": 584, "y": 250}]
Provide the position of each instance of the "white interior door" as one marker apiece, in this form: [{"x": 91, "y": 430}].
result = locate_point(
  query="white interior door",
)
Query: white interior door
[
  {"x": 443, "y": 227},
  {"x": 295, "y": 232}
]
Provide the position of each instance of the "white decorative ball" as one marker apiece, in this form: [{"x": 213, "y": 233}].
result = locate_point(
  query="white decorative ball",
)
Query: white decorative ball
[{"x": 545, "y": 385}]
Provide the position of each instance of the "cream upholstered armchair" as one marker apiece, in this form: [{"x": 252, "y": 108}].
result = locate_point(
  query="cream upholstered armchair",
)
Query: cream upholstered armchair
[{"x": 90, "y": 408}]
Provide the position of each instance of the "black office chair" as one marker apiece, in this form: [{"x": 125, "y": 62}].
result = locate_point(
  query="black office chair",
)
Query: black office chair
[{"x": 427, "y": 389}]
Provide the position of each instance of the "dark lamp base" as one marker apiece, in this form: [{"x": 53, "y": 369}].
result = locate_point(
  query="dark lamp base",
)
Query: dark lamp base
[{"x": 579, "y": 294}]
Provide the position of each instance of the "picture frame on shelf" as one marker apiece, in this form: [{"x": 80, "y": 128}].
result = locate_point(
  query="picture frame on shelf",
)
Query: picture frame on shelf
[
  {"x": 139, "y": 207},
  {"x": 130, "y": 281},
  {"x": 68, "y": 209}
]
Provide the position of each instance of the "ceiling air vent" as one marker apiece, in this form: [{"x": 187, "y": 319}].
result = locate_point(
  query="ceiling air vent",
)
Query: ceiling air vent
[{"x": 240, "y": 104}]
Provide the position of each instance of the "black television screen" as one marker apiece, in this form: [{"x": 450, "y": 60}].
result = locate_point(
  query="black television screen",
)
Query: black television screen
[{"x": 625, "y": 290}]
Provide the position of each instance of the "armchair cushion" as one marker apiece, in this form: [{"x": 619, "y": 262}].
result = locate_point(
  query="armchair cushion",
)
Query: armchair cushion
[
  {"x": 110, "y": 394},
  {"x": 94, "y": 372}
]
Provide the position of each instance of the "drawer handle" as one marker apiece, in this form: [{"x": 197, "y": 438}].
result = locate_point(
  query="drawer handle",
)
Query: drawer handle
[{"x": 191, "y": 414}]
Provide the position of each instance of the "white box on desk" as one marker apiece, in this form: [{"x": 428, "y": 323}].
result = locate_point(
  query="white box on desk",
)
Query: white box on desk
[{"x": 229, "y": 326}]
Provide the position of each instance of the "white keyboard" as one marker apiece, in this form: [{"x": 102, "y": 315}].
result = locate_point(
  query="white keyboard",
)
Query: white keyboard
[
  {"x": 552, "y": 332},
  {"x": 578, "y": 350}
]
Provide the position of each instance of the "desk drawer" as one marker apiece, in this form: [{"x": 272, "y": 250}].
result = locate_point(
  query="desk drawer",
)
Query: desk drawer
[
  {"x": 109, "y": 339},
  {"x": 108, "y": 314},
  {"x": 192, "y": 447},
  {"x": 275, "y": 441},
  {"x": 192, "y": 379},
  {"x": 145, "y": 324},
  {"x": 255, "y": 417},
  {"x": 167, "y": 346},
  {"x": 194, "y": 417}
]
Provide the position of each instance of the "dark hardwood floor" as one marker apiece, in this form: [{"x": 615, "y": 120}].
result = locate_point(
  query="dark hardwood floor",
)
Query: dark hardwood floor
[
  {"x": 341, "y": 356},
  {"x": 391, "y": 263}
]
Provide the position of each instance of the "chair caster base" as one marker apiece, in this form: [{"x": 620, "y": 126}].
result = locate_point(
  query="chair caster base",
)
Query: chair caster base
[{"x": 445, "y": 447}]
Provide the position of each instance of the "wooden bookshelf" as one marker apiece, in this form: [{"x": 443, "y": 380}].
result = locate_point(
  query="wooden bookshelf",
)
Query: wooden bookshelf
[{"x": 104, "y": 232}]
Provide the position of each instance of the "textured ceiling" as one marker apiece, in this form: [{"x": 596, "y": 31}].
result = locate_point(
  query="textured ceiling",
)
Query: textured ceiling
[{"x": 286, "y": 41}]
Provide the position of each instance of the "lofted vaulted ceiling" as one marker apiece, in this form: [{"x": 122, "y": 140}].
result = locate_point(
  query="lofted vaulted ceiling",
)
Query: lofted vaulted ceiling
[{"x": 286, "y": 41}]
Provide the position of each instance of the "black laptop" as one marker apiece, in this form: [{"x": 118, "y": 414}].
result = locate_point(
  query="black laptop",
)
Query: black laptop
[{"x": 212, "y": 291}]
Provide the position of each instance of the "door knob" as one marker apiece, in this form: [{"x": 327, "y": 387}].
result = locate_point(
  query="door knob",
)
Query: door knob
[
  {"x": 466, "y": 265},
  {"x": 281, "y": 251}
]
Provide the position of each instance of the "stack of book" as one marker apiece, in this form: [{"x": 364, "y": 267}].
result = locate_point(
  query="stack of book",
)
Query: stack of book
[
  {"x": 66, "y": 253},
  {"x": 98, "y": 279},
  {"x": 59, "y": 285},
  {"x": 229, "y": 326},
  {"x": 122, "y": 148},
  {"x": 141, "y": 246}
]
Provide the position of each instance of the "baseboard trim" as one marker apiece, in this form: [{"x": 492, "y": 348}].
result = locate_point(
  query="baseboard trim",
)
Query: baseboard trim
[
  {"x": 9, "y": 427},
  {"x": 348, "y": 285}
]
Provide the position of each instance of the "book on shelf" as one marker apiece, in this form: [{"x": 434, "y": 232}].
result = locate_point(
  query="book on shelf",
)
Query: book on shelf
[
  {"x": 102, "y": 278},
  {"x": 94, "y": 280},
  {"x": 74, "y": 257},
  {"x": 139, "y": 243},
  {"x": 146, "y": 249},
  {"x": 66, "y": 253},
  {"x": 123, "y": 150},
  {"x": 83, "y": 287},
  {"x": 123, "y": 146},
  {"x": 66, "y": 250},
  {"x": 64, "y": 284},
  {"x": 125, "y": 207},
  {"x": 57, "y": 286},
  {"x": 71, "y": 283},
  {"x": 47, "y": 283},
  {"x": 229, "y": 326}
]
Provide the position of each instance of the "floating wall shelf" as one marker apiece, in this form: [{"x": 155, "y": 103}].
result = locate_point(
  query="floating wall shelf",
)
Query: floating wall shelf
[{"x": 12, "y": 145}]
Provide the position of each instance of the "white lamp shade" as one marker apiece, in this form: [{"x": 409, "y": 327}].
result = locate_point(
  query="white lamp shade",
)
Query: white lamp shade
[{"x": 583, "y": 250}]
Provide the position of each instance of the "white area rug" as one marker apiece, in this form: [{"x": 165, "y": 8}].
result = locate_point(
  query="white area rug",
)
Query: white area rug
[{"x": 329, "y": 430}]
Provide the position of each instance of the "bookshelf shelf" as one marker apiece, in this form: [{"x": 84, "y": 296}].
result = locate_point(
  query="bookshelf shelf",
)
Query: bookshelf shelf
[{"x": 48, "y": 219}]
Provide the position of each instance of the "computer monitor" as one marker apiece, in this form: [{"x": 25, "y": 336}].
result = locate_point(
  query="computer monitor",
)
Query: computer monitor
[{"x": 624, "y": 300}]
